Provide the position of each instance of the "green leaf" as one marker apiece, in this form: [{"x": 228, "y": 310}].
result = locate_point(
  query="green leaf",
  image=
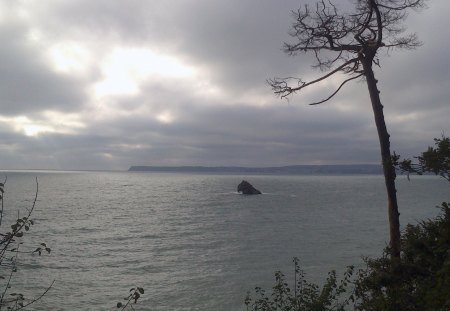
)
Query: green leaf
[
  {"x": 48, "y": 250},
  {"x": 141, "y": 290},
  {"x": 19, "y": 234},
  {"x": 119, "y": 305}
]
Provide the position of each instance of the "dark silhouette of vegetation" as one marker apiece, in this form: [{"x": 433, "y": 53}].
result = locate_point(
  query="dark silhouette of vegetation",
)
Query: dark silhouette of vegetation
[
  {"x": 133, "y": 296},
  {"x": 434, "y": 160},
  {"x": 347, "y": 45},
  {"x": 304, "y": 296},
  {"x": 420, "y": 277},
  {"x": 10, "y": 248}
]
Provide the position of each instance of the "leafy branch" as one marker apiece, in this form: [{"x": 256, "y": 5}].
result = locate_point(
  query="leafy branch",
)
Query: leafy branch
[
  {"x": 16, "y": 300},
  {"x": 133, "y": 296}
]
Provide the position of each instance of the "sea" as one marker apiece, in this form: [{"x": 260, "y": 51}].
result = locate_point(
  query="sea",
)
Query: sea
[{"x": 190, "y": 240}]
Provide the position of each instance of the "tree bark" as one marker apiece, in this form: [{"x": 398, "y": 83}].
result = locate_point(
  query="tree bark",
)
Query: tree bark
[{"x": 388, "y": 167}]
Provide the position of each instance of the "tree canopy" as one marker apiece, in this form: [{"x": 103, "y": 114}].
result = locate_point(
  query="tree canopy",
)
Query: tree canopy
[{"x": 342, "y": 41}]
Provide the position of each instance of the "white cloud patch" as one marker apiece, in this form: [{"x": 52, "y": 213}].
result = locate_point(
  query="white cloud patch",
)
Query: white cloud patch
[
  {"x": 47, "y": 122},
  {"x": 125, "y": 69},
  {"x": 69, "y": 57}
]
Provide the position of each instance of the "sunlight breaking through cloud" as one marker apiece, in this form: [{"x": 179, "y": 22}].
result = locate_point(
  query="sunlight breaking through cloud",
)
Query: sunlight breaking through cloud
[
  {"x": 126, "y": 68},
  {"x": 67, "y": 57},
  {"x": 165, "y": 117},
  {"x": 51, "y": 122}
]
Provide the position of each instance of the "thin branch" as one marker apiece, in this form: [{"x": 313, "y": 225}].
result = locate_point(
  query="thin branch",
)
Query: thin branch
[
  {"x": 406, "y": 4},
  {"x": 364, "y": 26},
  {"x": 38, "y": 298},
  {"x": 379, "y": 24},
  {"x": 7, "y": 286},
  {"x": 337, "y": 90},
  {"x": 2, "y": 194},
  {"x": 10, "y": 239},
  {"x": 287, "y": 90}
]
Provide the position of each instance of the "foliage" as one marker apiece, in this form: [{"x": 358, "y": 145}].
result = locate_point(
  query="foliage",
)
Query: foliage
[
  {"x": 10, "y": 248},
  {"x": 420, "y": 280},
  {"x": 417, "y": 281},
  {"x": 305, "y": 296},
  {"x": 133, "y": 296},
  {"x": 435, "y": 160}
]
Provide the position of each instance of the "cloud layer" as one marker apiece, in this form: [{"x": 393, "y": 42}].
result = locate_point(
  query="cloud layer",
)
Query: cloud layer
[{"x": 102, "y": 85}]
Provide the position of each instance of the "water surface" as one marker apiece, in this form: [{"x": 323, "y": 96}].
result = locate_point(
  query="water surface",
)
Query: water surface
[{"x": 190, "y": 240}]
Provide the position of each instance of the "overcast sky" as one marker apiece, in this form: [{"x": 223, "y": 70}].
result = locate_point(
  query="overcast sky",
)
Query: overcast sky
[{"x": 107, "y": 84}]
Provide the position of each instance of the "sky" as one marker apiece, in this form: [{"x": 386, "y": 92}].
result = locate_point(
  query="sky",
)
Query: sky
[{"x": 103, "y": 85}]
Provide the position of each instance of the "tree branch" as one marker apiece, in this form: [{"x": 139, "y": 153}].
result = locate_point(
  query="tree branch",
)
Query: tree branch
[
  {"x": 280, "y": 86},
  {"x": 37, "y": 298},
  {"x": 337, "y": 90},
  {"x": 379, "y": 24},
  {"x": 405, "y": 5}
]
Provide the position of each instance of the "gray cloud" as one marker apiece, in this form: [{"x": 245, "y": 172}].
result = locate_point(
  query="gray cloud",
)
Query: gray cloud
[
  {"x": 234, "y": 46},
  {"x": 27, "y": 84}
]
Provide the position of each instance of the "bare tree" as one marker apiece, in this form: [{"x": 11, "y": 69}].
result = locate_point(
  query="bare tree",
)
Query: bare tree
[{"x": 347, "y": 44}]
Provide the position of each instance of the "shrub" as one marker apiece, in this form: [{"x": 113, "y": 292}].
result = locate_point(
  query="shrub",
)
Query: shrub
[
  {"x": 420, "y": 280},
  {"x": 304, "y": 296},
  {"x": 417, "y": 281}
]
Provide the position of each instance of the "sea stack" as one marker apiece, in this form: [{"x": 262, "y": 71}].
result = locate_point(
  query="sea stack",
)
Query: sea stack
[{"x": 246, "y": 188}]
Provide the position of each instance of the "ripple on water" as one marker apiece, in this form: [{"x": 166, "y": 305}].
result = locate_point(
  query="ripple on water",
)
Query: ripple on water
[{"x": 190, "y": 240}]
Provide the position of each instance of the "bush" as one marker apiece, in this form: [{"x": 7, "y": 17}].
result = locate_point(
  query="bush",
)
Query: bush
[
  {"x": 419, "y": 280},
  {"x": 305, "y": 296}
]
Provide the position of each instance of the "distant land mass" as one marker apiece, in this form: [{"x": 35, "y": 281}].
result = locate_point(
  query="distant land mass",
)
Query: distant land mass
[{"x": 292, "y": 169}]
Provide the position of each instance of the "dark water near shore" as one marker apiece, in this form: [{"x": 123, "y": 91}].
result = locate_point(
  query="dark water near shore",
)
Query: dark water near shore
[{"x": 190, "y": 240}]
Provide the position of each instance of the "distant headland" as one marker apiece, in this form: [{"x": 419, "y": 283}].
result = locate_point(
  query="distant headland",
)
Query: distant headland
[{"x": 289, "y": 170}]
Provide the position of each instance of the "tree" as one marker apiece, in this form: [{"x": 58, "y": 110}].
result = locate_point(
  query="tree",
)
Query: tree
[
  {"x": 435, "y": 160},
  {"x": 347, "y": 44}
]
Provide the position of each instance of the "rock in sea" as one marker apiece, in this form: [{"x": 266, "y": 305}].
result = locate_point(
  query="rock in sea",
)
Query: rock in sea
[{"x": 246, "y": 188}]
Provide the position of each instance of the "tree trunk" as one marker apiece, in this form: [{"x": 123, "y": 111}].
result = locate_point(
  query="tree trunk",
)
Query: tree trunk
[{"x": 388, "y": 167}]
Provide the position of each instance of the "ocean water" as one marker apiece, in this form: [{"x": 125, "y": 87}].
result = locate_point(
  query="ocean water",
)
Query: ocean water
[{"x": 190, "y": 240}]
